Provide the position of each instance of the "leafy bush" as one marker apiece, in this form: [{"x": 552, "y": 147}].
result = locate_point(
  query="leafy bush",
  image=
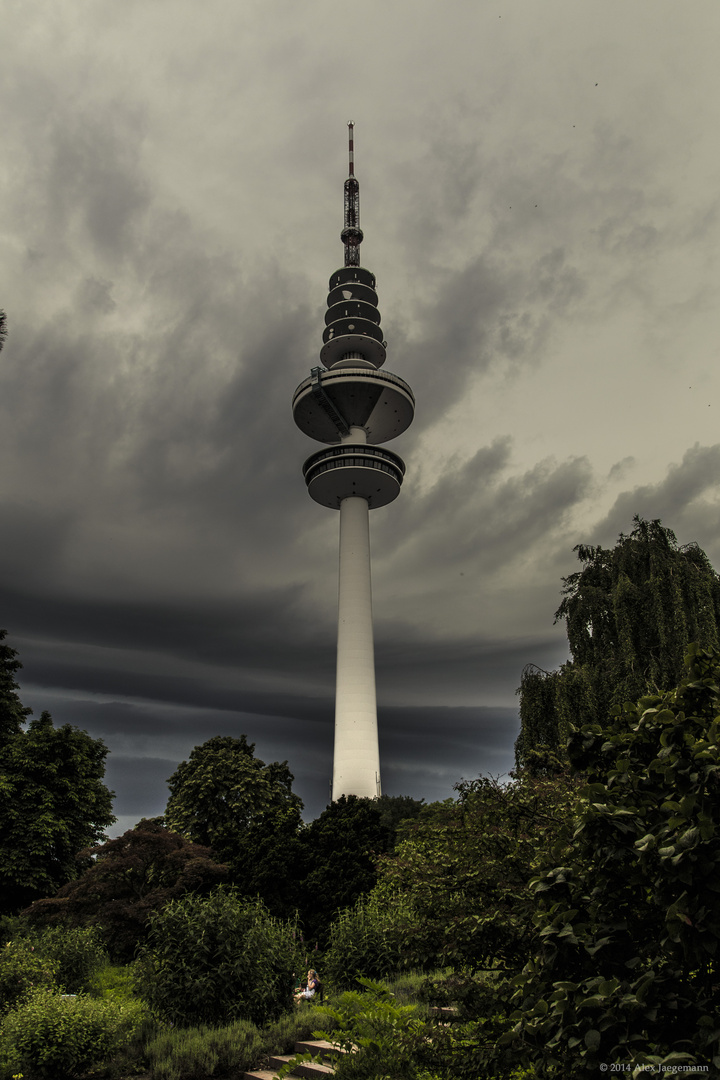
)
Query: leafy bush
[
  {"x": 216, "y": 959},
  {"x": 56, "y": 1036},
  {"x": 130, "y": 877},
  {"x": 199, "y": 1052},
  {"x": 370, "y": 939},
  {"x": 22, "y": 969},
  {"x": 76, "y": 953},
  {"x": 629, "y": 926}
]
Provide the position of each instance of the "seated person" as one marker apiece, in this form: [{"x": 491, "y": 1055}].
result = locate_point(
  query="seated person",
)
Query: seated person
[{"x": 312, "y": 984}]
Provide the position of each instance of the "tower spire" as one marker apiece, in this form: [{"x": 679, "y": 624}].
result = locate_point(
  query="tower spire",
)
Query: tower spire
[{"x": 352, "y": 234}]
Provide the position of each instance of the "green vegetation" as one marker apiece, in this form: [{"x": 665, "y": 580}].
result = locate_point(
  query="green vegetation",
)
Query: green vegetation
[
  {"x": 53, "y": 803},
  {"x": 53, "y": 1035},
  {"x": 131, "y": 877},
  {"x": 523, "y": 930},
  {"x": 631, "y": 613},
  {"x": 196, "y": 1053},
  {"x": 628, "y": 927},
  {"x": 211, "y": 960}
]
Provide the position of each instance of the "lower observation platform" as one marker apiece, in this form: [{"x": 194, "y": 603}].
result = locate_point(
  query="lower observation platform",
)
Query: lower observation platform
[
  {"x": 354, "y": 469},
  {"x": 377, "y": 401}
]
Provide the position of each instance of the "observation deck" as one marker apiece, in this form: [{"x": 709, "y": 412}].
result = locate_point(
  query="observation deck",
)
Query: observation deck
[
  {"x": 329, "y": 403},
  {"x": 354, "y": 469}
]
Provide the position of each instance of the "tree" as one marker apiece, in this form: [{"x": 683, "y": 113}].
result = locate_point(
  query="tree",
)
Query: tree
[
  {"x": 53, "y": 804},
  {"x": 341, "y": 850},
  {"x": 455, "y": 891},
  {"x": 3, "y": 328},
  {"x": 130, "y": 878},
  {"x": 630, "y": 614},
  {"x": 12, "y": 711},
  {"x": 629, "y": 925},
  {"x": 226, "y": 798}
]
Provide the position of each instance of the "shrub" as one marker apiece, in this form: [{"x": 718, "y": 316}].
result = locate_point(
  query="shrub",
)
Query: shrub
[
  {"x": 114, "y": 982},
  {"x": 56, "y": 1036},
  {"x": 369, "y": 939},
  {"x": 199, "y": 1052},
  {"x": 76, "y": 953},
  {"x": 22, "y": 969},
  {"x": 216, "y": 959}
]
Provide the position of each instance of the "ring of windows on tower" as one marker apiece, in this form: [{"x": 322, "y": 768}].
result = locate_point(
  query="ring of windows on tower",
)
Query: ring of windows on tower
[{"x": 354, "y": 469}]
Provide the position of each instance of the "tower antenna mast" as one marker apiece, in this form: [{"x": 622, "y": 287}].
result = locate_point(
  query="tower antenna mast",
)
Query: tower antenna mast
[{"x": 352, "y": 234}]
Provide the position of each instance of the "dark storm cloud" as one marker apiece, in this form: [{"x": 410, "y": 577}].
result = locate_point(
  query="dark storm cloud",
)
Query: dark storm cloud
[
  {"x": 164, "y": 574},
  {"x": 686, "y": 500},
  {"x": 425, "y": 750}
]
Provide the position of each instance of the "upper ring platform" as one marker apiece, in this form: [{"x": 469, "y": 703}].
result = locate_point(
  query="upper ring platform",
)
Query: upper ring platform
[{"x": 377, "y": 401}]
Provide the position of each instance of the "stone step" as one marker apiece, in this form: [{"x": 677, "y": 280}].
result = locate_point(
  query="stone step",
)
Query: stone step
[
  {"x": 310, "y": 1069},
  {"x": 317, "y": 1046}
]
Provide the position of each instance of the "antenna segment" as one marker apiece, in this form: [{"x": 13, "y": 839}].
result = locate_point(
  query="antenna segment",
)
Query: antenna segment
[{"x": 352, "y": 234}]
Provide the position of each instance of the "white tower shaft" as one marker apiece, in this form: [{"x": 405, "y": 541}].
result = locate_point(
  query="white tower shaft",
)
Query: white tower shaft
[{"x": 356, "y": 760}]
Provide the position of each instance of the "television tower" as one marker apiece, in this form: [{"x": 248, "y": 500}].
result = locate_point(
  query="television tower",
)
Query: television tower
[{"x": 352, "y": 406}]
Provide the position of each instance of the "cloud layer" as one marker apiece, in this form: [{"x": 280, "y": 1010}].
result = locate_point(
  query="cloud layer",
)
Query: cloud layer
[{"x": 539, "y": 198}]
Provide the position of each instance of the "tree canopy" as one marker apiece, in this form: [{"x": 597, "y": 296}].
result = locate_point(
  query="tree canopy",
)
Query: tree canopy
[
  {"x": 223, "y": 792},
  {"x": 341, "y": 849},
  {"x": 455, "y": 889},
  {"x": 12, "y": 712},
  {"x": 245, "y": 810},
  {"x": 53, "y": 804},
  {"x": 130, "y": 878},
  {"x": 630, "y": 612}
]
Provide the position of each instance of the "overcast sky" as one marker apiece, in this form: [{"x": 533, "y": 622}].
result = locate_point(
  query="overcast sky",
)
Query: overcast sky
[{"x": 540, "y": 184}]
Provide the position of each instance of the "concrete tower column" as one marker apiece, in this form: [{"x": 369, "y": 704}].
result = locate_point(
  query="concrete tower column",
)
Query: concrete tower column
[{"x": 356, "y": 760}]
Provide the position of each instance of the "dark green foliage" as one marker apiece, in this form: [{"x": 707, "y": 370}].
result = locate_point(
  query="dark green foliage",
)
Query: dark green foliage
[
  {"x": 380, "y": 1038},
  {"x": 227, "y": 799},
  {"x": 57, "y": 1038},
  {"x": 198, "y": 1053},
  {"x": 341, "y": 849},
  {"x": 375, "y": 938},
  {"x": 629, "y": 924},
  {"x": 3, "y": 328},
  {"x": 214, "y": 959},
  {"x": 456, "y": 889},
  {"x": 53, "y": 804},
  {"x": 76, "y": 954},
  {"x": 131, "y": 877},
  {"x": 630, "y": 614},
  {"x": 22, "y": 967},
  {"x": 63, "y": 959},
  {"x": 12, "y": 712},
  {"x": 280, "y": 1036},
  {"x": 396, "y": 809}
]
